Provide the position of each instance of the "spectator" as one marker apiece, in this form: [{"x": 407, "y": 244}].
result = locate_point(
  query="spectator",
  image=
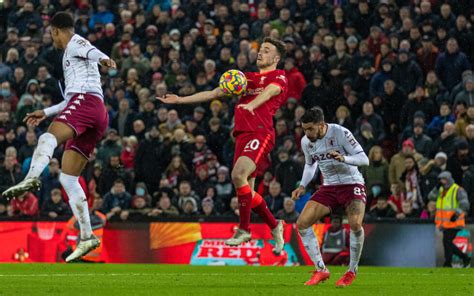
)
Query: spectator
[
  {"x": 366, "y": 137},
  {"x": 408, "y": 211},
  {"x": 25, "y": 205},
  {"x": 427, "y": 54},
  {"x": 49, "y": 181},
  {"x": 208, "y": 207},
  {"x": 288, "y": 213},
  {"x": 423, "y": 143},
  {"x": 446, "y": 141},
  {"x": 129, "y": 152},
  {"x": 138, "y": 211},
  {"x": 376, "y": 174},
  {"x": 431, "y": 170},
  {"x": 10, "y": 173},
  {"x": 316, "y": 94},
  {"x": 109, "y": 147},
  {"x": 375, "y": 121},
  {"x": 189, "y": 207},
  {"x": 116, "y": 201},
  {"x": 55, "y": 206},
  {"x": 186, "y": 192},
  {"x": 176, "y": 171},
  {"x": 430, "y": 211},
  {"x": 463, "y": 121},
  {"x": 407, "y": 73},
  {"x": 379, "y": 78},
  {"x": 460, "y": 160},
  {"x": 287, "y": 172},
  {"x": 173, "y": 122},
  {"x": 233, "y": 208},
  {"x": 417, "y": 102},
  {"x": 411, "y": 178},
  {"x": 164, "y": 208},
  {"x": 335, "y": 246},
  {"x": 382, "y": 209},
  {"x": 397, "y": 163},
  {"x": 343, "y": 117},
  {"x": 396, "y": 198},
  {"x": 467, "y": 94},
  {"x": 451, "y": 63},
  {"x": 275, "y": 197},
  {"x": 296, "y": 81},
  {"x": 393, "y": 98},
  {"x": 111, "y": 173},
  {"x": 223, "y": 186},
  {"x": 437, "y": 124}
]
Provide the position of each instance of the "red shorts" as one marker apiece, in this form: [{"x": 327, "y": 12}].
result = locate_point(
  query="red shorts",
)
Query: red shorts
[
  {"x": 87, "y": 116},
  {"x": 334, "y": 196},
  {"x": 257, "y": 147}
]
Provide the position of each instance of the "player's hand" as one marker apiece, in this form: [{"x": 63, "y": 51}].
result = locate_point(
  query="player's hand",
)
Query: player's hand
[
  {"x": 169, "y": 99},
  {"x": 295, "y": 195},
  {"x": 35, "y": 118},
  {"x": 337, "y": 156},
  {"x": 247, "y": 107},
  {"x": 108, "y": 63}
]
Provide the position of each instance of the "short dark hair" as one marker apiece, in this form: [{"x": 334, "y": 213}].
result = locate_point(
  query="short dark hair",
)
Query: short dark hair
[
  {"x": 119, "y": 181},
  {"x": 62, "y": 20},
  {"x": 280, "y": 46},
  {"x": 315, "y": 115}
]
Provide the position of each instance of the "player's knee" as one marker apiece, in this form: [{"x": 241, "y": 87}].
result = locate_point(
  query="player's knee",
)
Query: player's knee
[
  {"x": 238, "y": 176},
  {"x": 356, "y": 226},
  {"x": 302, "y": 224},
  {"x": 47, "y": 139}
]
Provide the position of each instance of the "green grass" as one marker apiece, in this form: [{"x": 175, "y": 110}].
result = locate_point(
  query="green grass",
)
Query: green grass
[{"x": 131, "y": 279}]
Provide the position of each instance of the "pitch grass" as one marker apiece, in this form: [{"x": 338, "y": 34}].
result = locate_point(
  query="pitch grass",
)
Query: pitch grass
[{"x": 134, "y": 279}]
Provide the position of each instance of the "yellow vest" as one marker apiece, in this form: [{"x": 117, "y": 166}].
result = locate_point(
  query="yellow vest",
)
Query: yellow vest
[{"x": 446, "y": 207}]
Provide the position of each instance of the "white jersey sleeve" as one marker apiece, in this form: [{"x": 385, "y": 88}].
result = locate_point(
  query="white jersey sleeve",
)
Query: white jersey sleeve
[
  {"x": 83, "y": 48},
  {"x": 310, "y": 166},
  {"x": 355, "y": 154}
]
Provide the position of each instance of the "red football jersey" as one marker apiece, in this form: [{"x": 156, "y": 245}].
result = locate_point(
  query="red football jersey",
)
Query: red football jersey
[{"x": 262, "y": 120}]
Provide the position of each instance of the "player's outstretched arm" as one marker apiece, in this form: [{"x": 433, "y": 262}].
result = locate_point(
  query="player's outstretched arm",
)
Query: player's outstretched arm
[
  {"x": 36, "y": 117},
  {"x": 269, "y": 92},
  {"x": 199, "y": 97}
]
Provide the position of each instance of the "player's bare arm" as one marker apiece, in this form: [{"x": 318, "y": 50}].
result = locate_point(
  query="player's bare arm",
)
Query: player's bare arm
[
  {"x": 34, "y": 118},
  {"x": 269, "y": 92},
  {"x": 199, "y": 97},
  {"x": 296, "y": 194}
]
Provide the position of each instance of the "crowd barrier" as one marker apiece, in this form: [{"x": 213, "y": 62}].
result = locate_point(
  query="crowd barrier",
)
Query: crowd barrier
[{"x": 202, "y": 243}]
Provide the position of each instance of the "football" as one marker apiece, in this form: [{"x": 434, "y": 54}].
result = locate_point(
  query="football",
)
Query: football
[{"x": 233, "y": 82}]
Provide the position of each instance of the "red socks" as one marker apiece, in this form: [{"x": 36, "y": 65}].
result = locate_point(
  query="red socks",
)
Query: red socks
[
  {"x": 260, "y": 207},
  {"x": 244, "y": 195}
]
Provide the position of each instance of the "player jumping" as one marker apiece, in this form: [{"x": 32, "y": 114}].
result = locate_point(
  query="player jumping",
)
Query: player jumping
[
  {"x": 81, "y": 123},
  {"x": 254, "y": 135},
  {"x": 334, "y": 150}
]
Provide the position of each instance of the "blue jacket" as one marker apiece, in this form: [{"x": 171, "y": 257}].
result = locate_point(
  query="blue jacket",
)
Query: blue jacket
[{"x": 376, "y": 83}]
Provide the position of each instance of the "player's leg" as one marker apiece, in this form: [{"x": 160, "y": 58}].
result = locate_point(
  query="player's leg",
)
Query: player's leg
[
  {"x": 260, "y": 207},
  {"x": 57, "y": 134},
  {"x": 243, "y": 168},
  {"x": 355, "y": 215},
  {"x": 73, "y": 163},
  {"x": 312, "y": 212}
]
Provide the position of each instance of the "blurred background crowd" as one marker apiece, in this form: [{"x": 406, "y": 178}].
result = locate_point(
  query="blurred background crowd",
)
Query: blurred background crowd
[{"x": 397, "y": 73}]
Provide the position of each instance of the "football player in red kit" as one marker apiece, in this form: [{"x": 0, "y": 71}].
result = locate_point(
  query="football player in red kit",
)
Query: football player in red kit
[{"x": 254, "y": 135}]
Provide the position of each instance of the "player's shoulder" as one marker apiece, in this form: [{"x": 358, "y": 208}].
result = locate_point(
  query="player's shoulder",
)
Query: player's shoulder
[
  {"x": 305, "y": 143},
  {"x": 339, "y": 130},
  {"x": 78, "y": 41}
]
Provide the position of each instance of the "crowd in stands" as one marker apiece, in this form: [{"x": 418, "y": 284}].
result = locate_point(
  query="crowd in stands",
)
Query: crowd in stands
[{"x": 397, "y": 73}]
